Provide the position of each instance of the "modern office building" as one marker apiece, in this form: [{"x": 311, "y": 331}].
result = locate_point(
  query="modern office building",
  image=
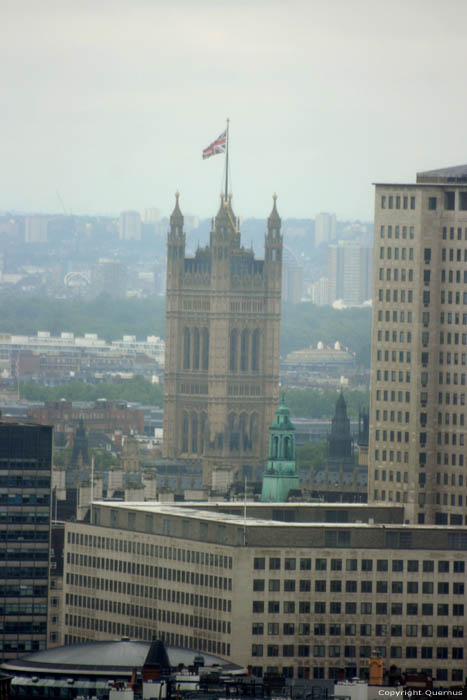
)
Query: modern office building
[
  {"x": 349, "y": 273},
  {"x": 308, "y": 590},
  {"x": 222, "y": 345},
  {"x": 325, "y": 228},
  {"x": 292, "y": 277},
  {"x": 35, "y": 229},
  {"x": 109, "y": 277},
  {"x": 25, "y": 471},
  {"x": 419, "y": 347},
  {"x": 130, "y": 226}
]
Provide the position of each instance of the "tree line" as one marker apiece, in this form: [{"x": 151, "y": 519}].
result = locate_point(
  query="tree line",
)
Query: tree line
[
  {"x": 306, "y": 403},
  {"x": 302, "y": 324}
]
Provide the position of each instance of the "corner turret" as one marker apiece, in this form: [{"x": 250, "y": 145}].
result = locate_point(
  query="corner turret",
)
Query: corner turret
[
  {"x": 273, "y": 247},
  {"x": 176, "y": 218},
  {"x": 175, "y": 245},
  {"x": 274, "y": 220}
]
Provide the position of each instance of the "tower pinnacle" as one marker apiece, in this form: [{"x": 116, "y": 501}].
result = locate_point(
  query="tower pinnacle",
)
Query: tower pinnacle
[
  {"x": 274, "y": 220},
  {"x": 176, "y": 218}
]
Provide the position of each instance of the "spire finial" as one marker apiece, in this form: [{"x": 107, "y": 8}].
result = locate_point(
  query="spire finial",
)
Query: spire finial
[
  {"x": 176, "y": 217},
  {"x": 274, "y": 220}
]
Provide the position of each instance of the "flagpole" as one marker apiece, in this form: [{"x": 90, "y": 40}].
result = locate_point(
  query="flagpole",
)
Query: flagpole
[{"x": 227, "y": 164}]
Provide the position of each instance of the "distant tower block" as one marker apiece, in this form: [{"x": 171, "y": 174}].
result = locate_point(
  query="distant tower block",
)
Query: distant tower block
[{"x": 222, "y": 345}]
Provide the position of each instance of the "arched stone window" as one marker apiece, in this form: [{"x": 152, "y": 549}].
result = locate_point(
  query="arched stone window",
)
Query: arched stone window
[
  {"x": 244, "y": 343},
  {"x": 243, "y": 430},
  {"x": 186, "y": 348},
  {"x": 194, "y": 433},
  {"x": 233, "y": 350},
  {"x": 202, "y": 432},
  {"x": 275, "y": 446},
  {"x": 185, "y": 430},
  {"x": 253, "y": 433},
  {"x": 255, "y": 350},
  {"x": 196, "y": 348},
  {"x": 205, "y": 349},
  {"x": 234, "y": 441}
]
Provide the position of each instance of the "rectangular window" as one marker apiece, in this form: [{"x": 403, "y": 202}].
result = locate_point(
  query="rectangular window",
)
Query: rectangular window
[{"x": 449, "y": 200}]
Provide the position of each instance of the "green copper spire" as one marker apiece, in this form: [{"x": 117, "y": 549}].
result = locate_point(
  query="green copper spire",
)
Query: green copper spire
[{"x": 280, "y": 476}]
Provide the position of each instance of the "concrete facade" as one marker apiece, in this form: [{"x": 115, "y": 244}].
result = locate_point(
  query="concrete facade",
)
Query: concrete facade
[
  {"x": 309, "y": 596},
  {"x": 419, "y": 348},
  {"x": 349, "y": 273}
]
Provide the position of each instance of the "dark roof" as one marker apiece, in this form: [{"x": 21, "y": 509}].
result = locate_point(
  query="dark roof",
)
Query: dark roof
[
  {"x": 453, "y": 171},
  {"x": 157, "y": 655},
  {"x": 455, "y": 174},
  {"x": 118, "y": 657}
]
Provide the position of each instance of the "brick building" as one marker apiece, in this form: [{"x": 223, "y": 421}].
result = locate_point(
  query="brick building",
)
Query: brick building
[{"x": 103, "y": 416}]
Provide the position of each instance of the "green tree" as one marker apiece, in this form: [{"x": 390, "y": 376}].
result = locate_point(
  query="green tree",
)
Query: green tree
[
  {"x": 302, "y": 324},
  {"x": 312, "y": 454},
  {"x": 103, "y": 460},
  {"x": 137, "y": 389},
  {"x": 305, "y": 325},
  {"x": 321, "y": 403}
]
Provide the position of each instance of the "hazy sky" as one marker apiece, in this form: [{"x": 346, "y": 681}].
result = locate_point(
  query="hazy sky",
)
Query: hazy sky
[{"x": 112, "y": 101}]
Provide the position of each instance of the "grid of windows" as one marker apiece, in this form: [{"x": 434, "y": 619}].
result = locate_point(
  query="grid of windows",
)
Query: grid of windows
[{"x": 419, "y": 354}]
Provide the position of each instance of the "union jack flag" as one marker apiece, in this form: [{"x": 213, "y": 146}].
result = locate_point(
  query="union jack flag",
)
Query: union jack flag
[{"x": 217, "y": 146}]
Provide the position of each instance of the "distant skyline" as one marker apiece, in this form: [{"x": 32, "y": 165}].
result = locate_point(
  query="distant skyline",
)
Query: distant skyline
[{"x": 112, "y": 102}]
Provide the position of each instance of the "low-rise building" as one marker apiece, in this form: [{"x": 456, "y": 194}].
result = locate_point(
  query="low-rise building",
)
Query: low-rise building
[
  {"x": 308, "y": 590},
  {"x": 102, "y": 415}
]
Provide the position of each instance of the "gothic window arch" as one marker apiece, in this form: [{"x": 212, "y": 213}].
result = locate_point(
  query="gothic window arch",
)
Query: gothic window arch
[
  {"x": 186, "y": 348},
  {"x": 253, "y": 429},
  {"x": 244, "y": 347},
  {"x": 233, "y": 350},
  {"x": 203, "y": 430},
  {"x": 243, "y": 430},
  {"x": 194, "y": 432},
  {"x": 255, "y": 347},
  {"x": 234, "y": 436},
  {"x": 205, "y": 349},
  {"x": 275, "y": 447},
  {"x": 185, "y": 431},
  {"x": 196, "y": 348}
]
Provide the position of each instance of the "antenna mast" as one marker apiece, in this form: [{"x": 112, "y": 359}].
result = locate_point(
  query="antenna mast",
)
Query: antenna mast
[{"x": 227, "y": 164}]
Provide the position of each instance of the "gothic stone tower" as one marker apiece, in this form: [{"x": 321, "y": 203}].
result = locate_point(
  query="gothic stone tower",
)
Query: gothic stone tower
[{"x": 222, "y": 345}]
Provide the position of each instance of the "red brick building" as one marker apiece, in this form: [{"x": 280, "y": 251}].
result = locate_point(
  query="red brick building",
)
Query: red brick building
[{"x": 104, "y": 416}]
